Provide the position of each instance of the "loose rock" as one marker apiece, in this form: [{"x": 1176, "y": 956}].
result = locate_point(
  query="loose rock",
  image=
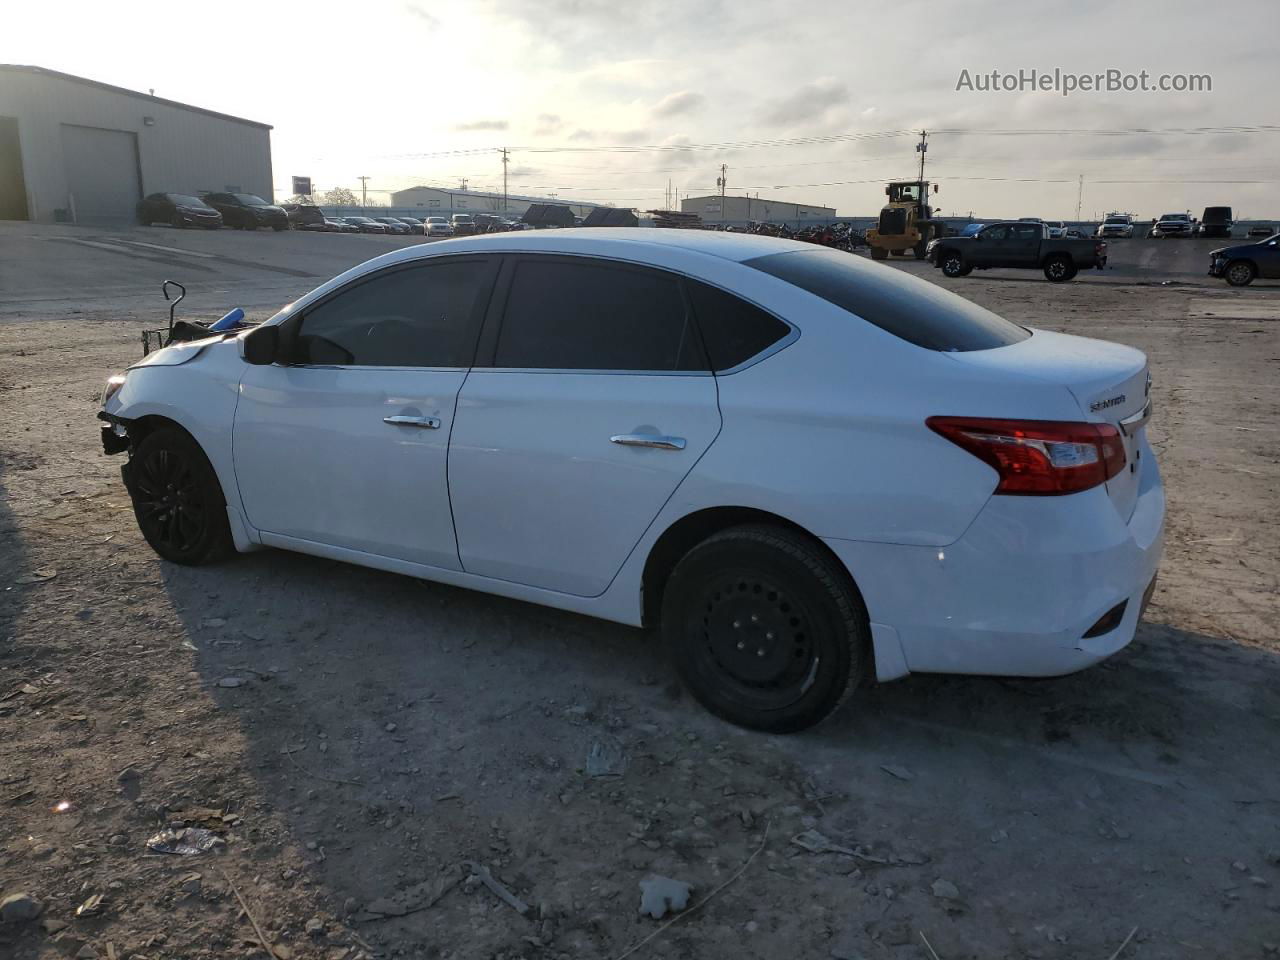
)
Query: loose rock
[
  {"x": 945, "y": 890},
  {"x": 19, "y": 908}
]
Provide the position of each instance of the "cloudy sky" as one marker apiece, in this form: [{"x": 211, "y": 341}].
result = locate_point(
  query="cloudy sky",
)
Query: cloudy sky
[{"x": 812, "y": 102}]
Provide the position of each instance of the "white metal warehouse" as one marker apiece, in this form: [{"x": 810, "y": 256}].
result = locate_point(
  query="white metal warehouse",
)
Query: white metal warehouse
[
  {"x": 740, "y": 210},
  {"x": 81, "y": 151},
  {"x": 439, "y": 201}
]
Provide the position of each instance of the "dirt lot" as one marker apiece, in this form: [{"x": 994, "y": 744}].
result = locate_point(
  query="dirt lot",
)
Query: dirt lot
[{"x": 356, "y": 739}]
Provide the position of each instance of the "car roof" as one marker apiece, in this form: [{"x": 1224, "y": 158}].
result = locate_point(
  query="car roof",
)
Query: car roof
[{"x": 729, "y": 246}]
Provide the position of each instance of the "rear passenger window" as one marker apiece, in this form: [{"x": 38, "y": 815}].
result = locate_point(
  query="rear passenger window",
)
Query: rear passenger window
[
  {"x": 733, "y": 330},
  {"x": 421, "y": 316},
  {"x": 564, "y": 314},
  {"x": 908, "y": 307}
]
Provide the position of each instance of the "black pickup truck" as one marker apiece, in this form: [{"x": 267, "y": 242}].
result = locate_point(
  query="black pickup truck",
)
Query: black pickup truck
[{"x": 1017, "y": 245}]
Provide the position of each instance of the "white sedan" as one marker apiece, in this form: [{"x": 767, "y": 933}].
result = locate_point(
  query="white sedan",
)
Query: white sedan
[{"x": 810, "y": 470}]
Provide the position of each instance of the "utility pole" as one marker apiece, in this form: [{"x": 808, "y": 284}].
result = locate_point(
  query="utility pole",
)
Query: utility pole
[
  {"x": 721, "y": 182},
  {"x": 1079, "y": 197},
  {"x": 922, "y": 148},
  {"x": 364, "y": 192},
  {"x": 504, "y": 178}
]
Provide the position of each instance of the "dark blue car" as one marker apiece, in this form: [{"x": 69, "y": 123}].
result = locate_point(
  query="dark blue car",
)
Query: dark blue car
[{"x": 1240, "y": 265}]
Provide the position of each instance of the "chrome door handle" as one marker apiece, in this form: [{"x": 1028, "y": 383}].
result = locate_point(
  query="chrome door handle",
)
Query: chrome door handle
[
  {"x": 427, "y": 423},
  {"x": 649, "y": 440}
]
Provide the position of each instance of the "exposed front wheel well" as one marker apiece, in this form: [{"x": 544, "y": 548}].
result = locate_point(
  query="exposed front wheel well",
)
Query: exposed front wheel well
[{"x": 689, "y": 531}]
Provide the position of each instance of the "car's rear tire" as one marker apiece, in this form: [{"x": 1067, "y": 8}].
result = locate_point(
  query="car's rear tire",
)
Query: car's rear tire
[
  {"x": 1240, "y": 273},
  {"x": 1059, "y": 269},
  {"x": 879, "y": 253},
  {"x": 177, "y": 499},
  {"x": 766, "y": 629}
]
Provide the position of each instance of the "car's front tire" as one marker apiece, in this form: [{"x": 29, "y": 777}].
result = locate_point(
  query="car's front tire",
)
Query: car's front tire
[
  {"x": 177, "y": 499},
  {"x": 1240, "y": 273},
  {"x": 766, "y": 629},
  {"x": 953, "y": 264}
]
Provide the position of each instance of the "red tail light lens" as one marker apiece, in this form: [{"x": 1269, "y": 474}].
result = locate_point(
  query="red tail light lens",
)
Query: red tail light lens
[{"x": 1039, "y": 457}]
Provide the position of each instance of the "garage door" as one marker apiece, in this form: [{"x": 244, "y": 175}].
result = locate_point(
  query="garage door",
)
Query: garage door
[{"x": 102, "y": 173}]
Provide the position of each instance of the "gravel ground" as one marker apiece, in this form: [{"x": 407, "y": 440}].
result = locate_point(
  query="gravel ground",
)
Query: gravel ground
[{"x": 369, "y": 750}]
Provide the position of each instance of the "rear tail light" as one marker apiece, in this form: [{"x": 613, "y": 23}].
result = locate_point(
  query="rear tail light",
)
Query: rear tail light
[{"x": 1039, "y": 457}]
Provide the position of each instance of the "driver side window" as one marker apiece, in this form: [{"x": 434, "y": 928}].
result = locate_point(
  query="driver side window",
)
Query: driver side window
[
  {"x": 418, "y": 316},
  {"x": 998, "y": 233}
]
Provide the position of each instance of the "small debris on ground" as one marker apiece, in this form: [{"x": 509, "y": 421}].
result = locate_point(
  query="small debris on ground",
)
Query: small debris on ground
[
  {"x": 188, "y": 841},
  {"x": 660, "y": 895}
]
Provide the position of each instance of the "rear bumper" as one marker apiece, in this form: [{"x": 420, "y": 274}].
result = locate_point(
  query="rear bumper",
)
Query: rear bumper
[{"x": 1016, "y": 594}]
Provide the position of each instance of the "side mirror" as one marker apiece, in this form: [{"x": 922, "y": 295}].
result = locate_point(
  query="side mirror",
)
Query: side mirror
[
  {"x": 261, "y": 346},
  {"x": 977, "y": 236}
]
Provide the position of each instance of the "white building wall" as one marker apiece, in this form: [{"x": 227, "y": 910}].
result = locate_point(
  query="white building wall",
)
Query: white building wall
[
  {"x": 182, "y": 151},
  {"x": 737, "y": 209}
]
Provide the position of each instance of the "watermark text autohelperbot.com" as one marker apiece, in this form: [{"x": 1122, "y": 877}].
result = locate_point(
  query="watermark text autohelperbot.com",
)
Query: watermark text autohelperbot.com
[{"x": 1066, "y": 83}]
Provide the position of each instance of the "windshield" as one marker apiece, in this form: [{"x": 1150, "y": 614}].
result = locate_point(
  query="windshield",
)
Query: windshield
[
  {"x": 908, "y": 307},
  {"x": 248, "y": 199},
  {"x": 1120, "y": 220},
  {"x": 1174, "y": 216},
  {"x": 182, "y": 200},
  {"x": 466, "y": 217},
  {"x": 435, "y": 219}
]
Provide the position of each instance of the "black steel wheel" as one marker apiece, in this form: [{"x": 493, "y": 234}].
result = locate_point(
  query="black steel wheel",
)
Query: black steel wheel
[
  {"x": 177, "y": 499},
  {"x": 766, "y": 628}
]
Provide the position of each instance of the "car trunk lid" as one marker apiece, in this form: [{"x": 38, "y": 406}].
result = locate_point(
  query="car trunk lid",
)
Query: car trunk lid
[{"x": 1110, "y": 382}]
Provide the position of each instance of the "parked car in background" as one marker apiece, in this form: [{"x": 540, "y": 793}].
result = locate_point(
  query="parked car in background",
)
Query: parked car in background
[
  {"x": 247, "y": 212},
  {"x": 970, "y": 229},
  {"x": 437, "y": 227},
  {"x": 393, "y": 225},
  {"x": 1241, "y": 265},
  {"x": 1173, "y": 225},
  {"x": 1117, "y": 226},
  {"x": 992, "y": 505},
  {"x": 338, "y": 225},
  {"x": 415, "y": 225},
  {"x": 1021, "y": 245},
  {"x": 1216, "y": 222},
  {"x": 367, "y": 224},
  {"x": 464, "y": 225},
  {"x": 1057, "y": 228},
  {"x": 1261, "y": 230},
  {"x": 304, "y": 216},
  {"x": 178, "y": 210}
]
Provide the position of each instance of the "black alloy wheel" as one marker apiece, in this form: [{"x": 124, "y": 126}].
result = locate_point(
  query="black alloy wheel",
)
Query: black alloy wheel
[{"x": 177, "y": 499}]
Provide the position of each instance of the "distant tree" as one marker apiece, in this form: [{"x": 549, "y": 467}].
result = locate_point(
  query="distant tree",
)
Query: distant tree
[
  {"x": 299, "y": 198},
  {"x": 340, "y": 197}
]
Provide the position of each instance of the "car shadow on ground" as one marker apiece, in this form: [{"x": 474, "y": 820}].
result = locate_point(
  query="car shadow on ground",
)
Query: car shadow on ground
[{"x": 403, "y": 728}]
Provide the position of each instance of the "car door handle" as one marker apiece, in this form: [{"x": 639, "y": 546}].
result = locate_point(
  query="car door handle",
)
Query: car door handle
[
  {"x": 427, "y": 423},
  {"x": 649, "y": 440}
]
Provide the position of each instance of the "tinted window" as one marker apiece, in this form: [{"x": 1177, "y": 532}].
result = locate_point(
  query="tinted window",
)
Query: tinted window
[
  {"x": 1030, "y": 231},
  {"x": 733, "y": 330},
  {"x": 907, "y": 307},
  {"x": 999, "y": 233},
  {"x": 248, "y": 199},
  {"x": 590, "y": 315},
  {"x": 422, "y": 316}
]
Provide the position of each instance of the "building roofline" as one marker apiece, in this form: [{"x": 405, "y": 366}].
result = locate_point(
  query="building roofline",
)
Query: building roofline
[
  {"x": 733, "y": 196},
  {"x": 46, "y": 72},
  {"x": 510, "y": 196}
]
